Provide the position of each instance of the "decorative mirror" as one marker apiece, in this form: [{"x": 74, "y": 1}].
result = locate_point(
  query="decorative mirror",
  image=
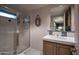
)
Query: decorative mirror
[
  {"x": 57, "y": 23},
  {"x": 62, "y": 21},
  {"x": 38, "y": 21}
]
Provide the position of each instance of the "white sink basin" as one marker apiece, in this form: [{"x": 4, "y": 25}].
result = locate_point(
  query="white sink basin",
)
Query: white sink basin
[{"x": 60, "y": 39}]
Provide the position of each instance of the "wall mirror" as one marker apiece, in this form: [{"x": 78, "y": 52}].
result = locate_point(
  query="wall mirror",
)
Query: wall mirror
[
  {"x": 61, "y": 19},
  {"x": 57, "y": 23}
]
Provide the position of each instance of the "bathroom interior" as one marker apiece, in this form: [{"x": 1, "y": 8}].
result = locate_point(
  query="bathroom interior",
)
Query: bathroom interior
[{"x": 39, "y": 29}]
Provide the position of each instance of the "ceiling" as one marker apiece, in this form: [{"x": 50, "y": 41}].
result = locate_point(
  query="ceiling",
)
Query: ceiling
[
  {"x": 59, "y": 10},
  {"x": 55, "y": 9},
  {"x": 25, "y": 7}
]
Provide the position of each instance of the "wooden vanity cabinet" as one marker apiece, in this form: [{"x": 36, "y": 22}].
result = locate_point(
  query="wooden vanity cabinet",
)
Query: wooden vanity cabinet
[
  {"x": 51, "y": 48},
  {"x": 64, "y": 49}
]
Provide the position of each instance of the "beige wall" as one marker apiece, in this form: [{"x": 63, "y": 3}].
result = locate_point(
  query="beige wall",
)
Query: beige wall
[
  {"x": 76, "y": 17},
  {"x": 37, "y": 33},
  {"x": 72, "y": 19}
]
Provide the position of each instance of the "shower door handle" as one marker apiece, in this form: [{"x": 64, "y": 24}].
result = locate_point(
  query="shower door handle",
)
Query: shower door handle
[{"x": 17, "y": 41}]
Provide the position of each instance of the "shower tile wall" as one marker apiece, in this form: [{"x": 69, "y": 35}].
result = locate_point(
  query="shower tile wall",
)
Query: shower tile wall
[{"x": 7, "y": 30}]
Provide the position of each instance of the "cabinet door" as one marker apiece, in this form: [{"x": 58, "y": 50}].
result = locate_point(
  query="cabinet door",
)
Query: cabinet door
[
  {"x": 63, "y": 50},
  {"x": 49, "y": 48}
]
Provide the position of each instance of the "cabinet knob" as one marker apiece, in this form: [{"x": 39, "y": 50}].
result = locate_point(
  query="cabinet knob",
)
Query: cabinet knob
[{"x": 74, "y": 51}]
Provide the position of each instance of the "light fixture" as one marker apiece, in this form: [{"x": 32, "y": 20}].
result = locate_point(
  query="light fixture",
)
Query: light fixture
[
  {"x": 59, "y": 19},
  {"x": 7, "y": 15},
  {"x": 60, "y": 5}
]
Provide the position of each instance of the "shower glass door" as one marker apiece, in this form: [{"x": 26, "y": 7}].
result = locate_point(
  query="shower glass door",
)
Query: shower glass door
[{"x": 24, "y": 34}]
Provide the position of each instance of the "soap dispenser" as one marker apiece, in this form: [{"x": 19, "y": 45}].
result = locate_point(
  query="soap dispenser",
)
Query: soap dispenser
[
  {"x": 63, "y": 33},
  {"x": 50, "y": 32}
]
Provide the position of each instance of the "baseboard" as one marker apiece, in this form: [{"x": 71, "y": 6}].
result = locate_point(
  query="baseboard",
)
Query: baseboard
[
  {"x": 7, "y": 53},
  {"x": 25, "y": 50}
]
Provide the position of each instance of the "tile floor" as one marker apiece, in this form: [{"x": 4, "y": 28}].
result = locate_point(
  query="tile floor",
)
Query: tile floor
[{"x": 31, "y": 51}]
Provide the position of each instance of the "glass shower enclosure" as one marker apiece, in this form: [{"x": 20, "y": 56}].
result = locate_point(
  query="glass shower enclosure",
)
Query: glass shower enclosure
[{"x": 14, "y": 32}]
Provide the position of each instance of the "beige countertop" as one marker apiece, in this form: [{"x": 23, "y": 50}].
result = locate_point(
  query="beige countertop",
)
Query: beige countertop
[{"x": 60, "y": 39}]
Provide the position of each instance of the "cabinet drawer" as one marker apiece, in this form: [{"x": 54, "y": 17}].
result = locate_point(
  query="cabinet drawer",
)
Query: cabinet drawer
[
  {"x": 64, "y": 46},
  {"x": 49, "y": 43}
]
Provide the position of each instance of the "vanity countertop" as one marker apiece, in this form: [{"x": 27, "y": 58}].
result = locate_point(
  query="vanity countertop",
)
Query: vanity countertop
[{"x": 60, "y": 39}]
